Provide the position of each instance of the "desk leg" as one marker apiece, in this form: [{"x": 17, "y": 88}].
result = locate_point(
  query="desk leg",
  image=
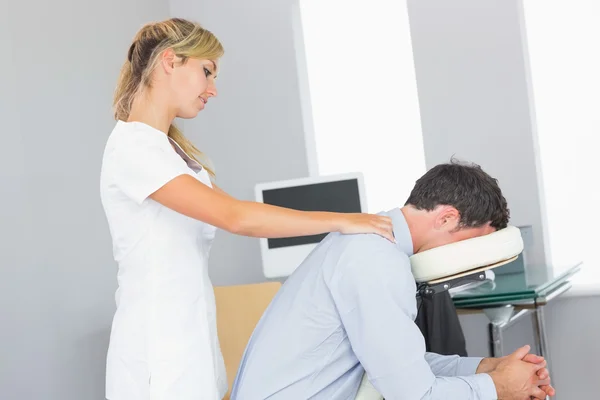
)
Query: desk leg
[
  {"x": 496, "y": 349},
  {"x": 540, "y": 330},
  {"x": 499, "y": 321},
  {"x": 542, "y": 338}
]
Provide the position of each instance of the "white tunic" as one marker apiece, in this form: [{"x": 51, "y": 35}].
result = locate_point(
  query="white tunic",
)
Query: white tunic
[{"x": 163, "y": 344}]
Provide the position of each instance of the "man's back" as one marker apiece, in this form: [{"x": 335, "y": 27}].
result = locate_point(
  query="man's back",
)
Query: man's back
[{"x": 300, "y": 348}]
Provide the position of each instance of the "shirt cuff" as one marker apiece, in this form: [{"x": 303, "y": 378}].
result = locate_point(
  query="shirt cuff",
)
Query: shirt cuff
[
  {"x": 467, "y": 365},
  {"x": 486, "y": 386}
]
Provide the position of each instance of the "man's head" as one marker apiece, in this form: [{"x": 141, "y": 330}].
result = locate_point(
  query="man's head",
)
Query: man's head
[{"x": 453, "y": 202}]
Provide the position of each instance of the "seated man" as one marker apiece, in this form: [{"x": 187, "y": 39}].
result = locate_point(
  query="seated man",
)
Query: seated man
[{"x": 350, "y": 308}]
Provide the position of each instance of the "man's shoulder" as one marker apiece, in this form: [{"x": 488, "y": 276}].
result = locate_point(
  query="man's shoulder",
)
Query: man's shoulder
[
  {"x": 368, "y": 253},
  {"x": 370, "y": 265},
  {"x": 369, "y": 245}
]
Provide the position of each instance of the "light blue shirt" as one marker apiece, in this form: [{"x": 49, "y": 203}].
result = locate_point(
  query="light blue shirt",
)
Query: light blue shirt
[{"x": 349, "y": 308}]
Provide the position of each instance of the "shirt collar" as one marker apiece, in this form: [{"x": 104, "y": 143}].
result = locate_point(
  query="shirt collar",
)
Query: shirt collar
[{"x": 401, "y": 231}]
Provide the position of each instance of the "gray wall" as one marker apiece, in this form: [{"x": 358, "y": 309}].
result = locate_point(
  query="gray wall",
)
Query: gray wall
[
  {"x": 573, "y": 341},
  {"x": 59, "y": 66},
  {"x": 474, "y": 101},
  {"x": 253, "y": 130}
]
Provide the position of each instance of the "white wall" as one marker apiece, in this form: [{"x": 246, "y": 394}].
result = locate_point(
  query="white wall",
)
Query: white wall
[
  {"x": 59, "y": 66},
  {"x": 253, "y": 130},
  {"x": 364, "y": 108},
  {"x": 565, "y": 90},
  {"x": 474, "y": 98}
]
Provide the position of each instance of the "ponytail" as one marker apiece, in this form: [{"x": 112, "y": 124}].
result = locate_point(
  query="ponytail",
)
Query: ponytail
[
  {"x": 125, "y": 92},
  {"x": 189, "y": 148},
  {"x": 188, "y": 39}
]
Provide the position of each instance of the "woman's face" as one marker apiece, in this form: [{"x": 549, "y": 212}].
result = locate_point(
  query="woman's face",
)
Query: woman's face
[{"x": 192, "y": 84}]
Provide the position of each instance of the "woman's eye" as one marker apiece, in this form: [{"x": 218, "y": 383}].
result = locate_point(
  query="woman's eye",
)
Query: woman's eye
[{"x": 207, "y": 72}]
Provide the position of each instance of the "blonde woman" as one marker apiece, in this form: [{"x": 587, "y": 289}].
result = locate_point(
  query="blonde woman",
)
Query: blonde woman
[{"x": 163, "y": 209}]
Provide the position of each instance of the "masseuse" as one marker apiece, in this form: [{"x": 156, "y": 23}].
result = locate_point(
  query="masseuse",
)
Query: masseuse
[
  {"x": 350, "y": 309},
  {"x": 163, "y": 209}
]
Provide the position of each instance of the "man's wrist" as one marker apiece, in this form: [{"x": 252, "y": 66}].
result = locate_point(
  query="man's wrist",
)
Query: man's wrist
[
  {"x": 487, "y": 386},
  {"x": 487, "y": 365},
  {"x": 496, "y": 379},
  {"x": 466, "y": 366}
]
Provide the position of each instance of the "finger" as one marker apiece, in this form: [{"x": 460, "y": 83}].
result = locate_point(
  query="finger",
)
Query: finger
[
  {"x": 521, "y": 352},
  {"x": 543, "y": 373},
  {"x": 387, "y": 225},
  {"x": 390, "y": 237},
  {"x": 532, "y": 358},
  {"x": 543, "y": 382},
  {"x": 387, "y": 219},
  {"x": 541, "y": 365},
  {"x": 537, "y": 367},
  {"x": 386, "y": 234},
  {"x": 538, "y": 393},
  {"x": 548, "y": 389},
  {"x": 384, "y": 220}
]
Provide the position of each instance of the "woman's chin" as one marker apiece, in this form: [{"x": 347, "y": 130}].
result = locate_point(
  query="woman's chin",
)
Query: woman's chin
[{"x": 188, "y": 114}]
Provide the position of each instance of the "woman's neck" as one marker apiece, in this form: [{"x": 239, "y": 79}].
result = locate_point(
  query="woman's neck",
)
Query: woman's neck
[{"x": 151, "y": 112}]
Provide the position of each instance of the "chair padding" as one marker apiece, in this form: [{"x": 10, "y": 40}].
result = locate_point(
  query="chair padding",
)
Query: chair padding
[
  {"x": 366, "y": 391},
  {"x": 490, "y": 250}
]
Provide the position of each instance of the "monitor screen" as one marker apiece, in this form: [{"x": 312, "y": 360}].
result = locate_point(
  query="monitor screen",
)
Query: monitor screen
[{"x": 337, "y": 196}]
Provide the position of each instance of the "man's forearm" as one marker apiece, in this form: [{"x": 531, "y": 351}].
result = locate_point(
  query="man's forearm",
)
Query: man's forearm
[
  {"x": 487, "y": 365},
  {"x": 454, "y": 365},
  {"x": 473, "y": 387}
]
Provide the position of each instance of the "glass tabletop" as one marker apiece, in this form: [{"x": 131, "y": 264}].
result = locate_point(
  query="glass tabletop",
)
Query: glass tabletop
[{"x": 514, "y": 287}]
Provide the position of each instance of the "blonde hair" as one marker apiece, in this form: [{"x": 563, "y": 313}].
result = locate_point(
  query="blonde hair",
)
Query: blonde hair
[{"x": 187, "y": 40}]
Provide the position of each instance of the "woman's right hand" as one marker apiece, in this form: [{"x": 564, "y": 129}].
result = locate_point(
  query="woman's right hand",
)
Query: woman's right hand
[{"x": 352, "y": 223}]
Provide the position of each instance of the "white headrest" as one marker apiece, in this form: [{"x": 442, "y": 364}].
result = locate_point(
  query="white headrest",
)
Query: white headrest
[{"x": 483, "y": 252}]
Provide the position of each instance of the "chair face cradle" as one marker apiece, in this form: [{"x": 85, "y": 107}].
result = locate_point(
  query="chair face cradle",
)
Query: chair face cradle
[{"x": 467, "y": 256}]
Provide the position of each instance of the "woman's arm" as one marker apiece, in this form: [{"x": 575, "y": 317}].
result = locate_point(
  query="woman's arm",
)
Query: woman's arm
[
  {"x": 219, "y": 190},
  {"x": 188, "y": 196}
]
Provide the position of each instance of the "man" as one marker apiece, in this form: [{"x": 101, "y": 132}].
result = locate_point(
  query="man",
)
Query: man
[{"x": 350, "y": 308}]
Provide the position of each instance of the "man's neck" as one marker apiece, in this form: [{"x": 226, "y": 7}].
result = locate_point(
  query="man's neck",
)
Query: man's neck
[{"x": 415, "y": 219}]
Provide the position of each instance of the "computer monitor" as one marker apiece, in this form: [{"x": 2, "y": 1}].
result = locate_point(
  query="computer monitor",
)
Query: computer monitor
[{"x": 337, "y": 193}]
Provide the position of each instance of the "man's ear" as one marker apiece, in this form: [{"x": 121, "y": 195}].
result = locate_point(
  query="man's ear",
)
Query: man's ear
[{"x": 448, "y": 219}]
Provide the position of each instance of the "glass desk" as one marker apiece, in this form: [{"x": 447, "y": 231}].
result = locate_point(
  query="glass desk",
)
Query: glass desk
[{"x": 513, "y": 296}]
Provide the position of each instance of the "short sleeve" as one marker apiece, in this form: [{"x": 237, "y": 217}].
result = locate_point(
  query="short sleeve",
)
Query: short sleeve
[{"x": 144, "y": 162}]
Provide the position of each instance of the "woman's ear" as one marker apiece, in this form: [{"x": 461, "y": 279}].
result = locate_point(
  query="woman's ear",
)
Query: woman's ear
[{"x": 168, "y": 59}]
